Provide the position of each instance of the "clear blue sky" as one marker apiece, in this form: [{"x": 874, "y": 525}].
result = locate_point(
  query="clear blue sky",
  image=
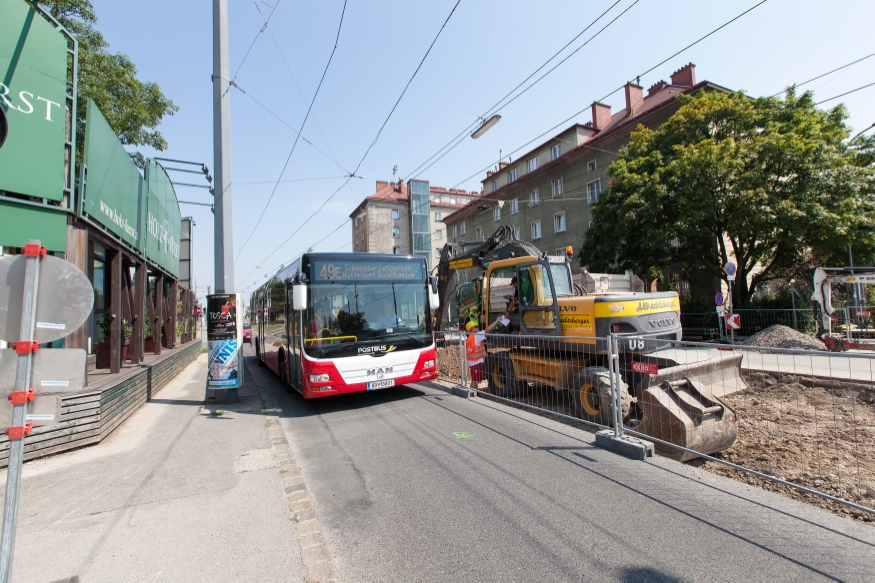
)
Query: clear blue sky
[{"x": 486, "y": 49}]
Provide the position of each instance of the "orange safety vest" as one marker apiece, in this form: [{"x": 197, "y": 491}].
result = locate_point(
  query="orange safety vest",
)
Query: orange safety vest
[{"x": 474, "y": 352}]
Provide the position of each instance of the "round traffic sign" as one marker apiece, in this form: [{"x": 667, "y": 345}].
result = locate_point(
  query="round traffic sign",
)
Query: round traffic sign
[
  {"x": 64, "y": 298},
  {"x": 729, "y": 268},
  {"x": 718, "y": 299}
]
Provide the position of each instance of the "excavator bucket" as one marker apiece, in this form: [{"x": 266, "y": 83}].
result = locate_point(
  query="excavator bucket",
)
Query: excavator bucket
[{"x": 683, "y": 404}]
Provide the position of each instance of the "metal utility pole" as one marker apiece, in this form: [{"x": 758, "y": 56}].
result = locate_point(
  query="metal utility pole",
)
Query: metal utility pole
[{"x": 223, "y": 232}]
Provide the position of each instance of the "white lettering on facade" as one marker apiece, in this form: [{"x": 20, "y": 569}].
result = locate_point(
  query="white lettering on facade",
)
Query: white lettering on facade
[
  {"x": 118, "y": 219},
  {"x": 49, "y": 105},
  {"x": 161, "y": 232},
  {"x": 27, "y": 107},
  {"x": 26, "y": 102}
]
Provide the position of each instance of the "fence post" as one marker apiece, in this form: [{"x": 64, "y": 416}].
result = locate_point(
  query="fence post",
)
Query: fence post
[
  {"x": 614, "y": 357},
  {"x": 463, "y": 361}
]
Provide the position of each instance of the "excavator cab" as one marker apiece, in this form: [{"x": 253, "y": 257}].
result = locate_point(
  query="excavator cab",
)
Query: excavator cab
[{"x": 539, "y": 309}]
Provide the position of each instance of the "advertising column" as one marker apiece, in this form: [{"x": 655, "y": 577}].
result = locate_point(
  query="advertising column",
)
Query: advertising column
[{"x": 225, "y": 335}]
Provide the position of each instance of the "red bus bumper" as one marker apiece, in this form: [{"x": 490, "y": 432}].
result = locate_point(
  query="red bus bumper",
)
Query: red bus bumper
[{"x": 336, "y": 386}]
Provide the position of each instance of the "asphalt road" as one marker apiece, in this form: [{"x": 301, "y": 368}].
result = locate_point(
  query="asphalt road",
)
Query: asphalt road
[{"x": 414, "y": 484}]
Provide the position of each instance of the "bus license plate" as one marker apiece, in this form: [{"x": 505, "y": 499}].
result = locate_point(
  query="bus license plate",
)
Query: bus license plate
[{"x": 381, "y": 384}]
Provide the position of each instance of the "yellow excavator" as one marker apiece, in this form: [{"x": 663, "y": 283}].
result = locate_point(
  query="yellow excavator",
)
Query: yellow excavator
[{"x": 558, "y": 333}]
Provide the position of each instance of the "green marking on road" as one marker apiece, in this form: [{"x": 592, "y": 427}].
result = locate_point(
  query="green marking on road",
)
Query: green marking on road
[{"x": 462, "y": 434}]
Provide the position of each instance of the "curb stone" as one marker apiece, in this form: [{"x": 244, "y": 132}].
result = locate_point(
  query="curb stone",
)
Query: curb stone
[{"x": 315, "y": 554}]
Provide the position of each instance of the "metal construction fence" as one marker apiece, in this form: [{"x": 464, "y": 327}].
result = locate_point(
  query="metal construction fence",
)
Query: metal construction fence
[
  {"x": 802, "y": 422},
  {"x": 710, "y": 326}
]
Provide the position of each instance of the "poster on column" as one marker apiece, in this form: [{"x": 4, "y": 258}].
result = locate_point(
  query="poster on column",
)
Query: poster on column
[{"x": 224, "y": 335}]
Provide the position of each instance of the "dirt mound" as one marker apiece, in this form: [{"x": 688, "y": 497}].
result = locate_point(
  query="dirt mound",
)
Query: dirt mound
[
  {"x": 810, "y": 431},
  {"x": 778, "y": 336}
]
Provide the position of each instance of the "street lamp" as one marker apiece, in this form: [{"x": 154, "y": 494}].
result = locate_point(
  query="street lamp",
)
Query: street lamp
[{"x": 485, "y": 126}]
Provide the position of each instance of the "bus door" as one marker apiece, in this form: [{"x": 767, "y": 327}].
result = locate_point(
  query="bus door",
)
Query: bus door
[
  {"x": 294, "y": 323},
  {"x": 539, "y": 309}
]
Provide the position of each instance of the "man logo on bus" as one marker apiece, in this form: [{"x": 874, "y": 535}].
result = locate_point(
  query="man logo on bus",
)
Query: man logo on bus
[
  {"x": 379, "y": 371},
  {"x": 383, "y": 349}
]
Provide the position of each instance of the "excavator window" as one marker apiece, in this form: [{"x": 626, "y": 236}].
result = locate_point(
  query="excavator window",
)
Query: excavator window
[{"x": 537, "y": 300}]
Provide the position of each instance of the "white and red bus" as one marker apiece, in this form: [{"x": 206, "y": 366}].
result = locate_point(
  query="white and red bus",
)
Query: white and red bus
[{"x": 334, "y": 323}]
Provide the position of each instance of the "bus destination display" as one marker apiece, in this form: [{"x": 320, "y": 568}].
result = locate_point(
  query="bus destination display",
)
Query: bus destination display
[{"x": 366, "y": 270}]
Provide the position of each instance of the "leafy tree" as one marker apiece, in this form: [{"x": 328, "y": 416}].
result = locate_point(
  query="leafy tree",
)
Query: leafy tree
[
  {"x": 133, "y": 108},
  {"x": 758, "y": 181}
]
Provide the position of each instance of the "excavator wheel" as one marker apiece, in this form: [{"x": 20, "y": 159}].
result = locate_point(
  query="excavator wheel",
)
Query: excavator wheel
[
  {"x": 502, "y": 378},
  {"x": 591, "y": 388}
]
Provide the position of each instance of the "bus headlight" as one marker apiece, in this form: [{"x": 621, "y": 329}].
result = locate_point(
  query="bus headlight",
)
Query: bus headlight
[
  {"x": 319, "y": 378},
  {"x": 428, "y": 364}
]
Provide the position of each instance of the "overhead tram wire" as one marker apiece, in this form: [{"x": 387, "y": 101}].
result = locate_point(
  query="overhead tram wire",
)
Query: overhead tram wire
[
  {"x": 651, "y": 69},
  {"x": 845, "y": 93},
  {"x": 370, "y": 62},
  {"x": 292, "y": 151},
  {"x": 727, "y": 23},
  {"x": 263, "y": 28},
  {"x": 285, "y": 123},
  {"x": 825, "y": 74},
  {"x": 464, "y": 133},
  {"x": 376, "y": 138},
  {"x": 295, "y": 81}
]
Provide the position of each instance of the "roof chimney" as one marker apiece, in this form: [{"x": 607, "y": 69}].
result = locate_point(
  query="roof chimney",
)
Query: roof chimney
[
  {"x": 656, "y": 88},
  {"x": 634, "y": 96},
  {"x": 399, "y": 185},
  {"x": 685, "y": 76},
  {"x": 601, "y": 115}
]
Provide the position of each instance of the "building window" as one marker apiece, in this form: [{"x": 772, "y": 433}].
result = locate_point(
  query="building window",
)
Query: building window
[
  {"x": 439, "y": 234},
  {"x": 516, "y": 232},
  {"x": 514, "y": 206},
  {"x": 456, "y": 231},
  {"x": 594, "y": 188},
  {"x": 396, "y": 233},
  {"x": 511, "y": 176},
  {"x": 396, "y": 250},
  {"x": 557, "y": 187},
  {"x": 536, "y": 230},
  {"x": 559, "y": 222},
  {"x": 452, "y": 200},
  {"x": 437, "y": 216},
  {"x": 496, "y": 214},
  {"x": 590, "y": 167},
  {"x": 560, "y": 251},
  {"x": 479, "y": 232},
  {"x": 532, "y": 164},
  {"x": 495, "y": 185},
  {"x": 590, "y": 224},
  {"x": 463, "y": 227},
  {"x": 677, "y": 283},
  {"x": 555, "y": 151},
  {"x": 437, "y": 253},
  {"x": 534, "y": 198},
  {"x": 437, "y": 198},
  {"x": 395, "y": 213}
]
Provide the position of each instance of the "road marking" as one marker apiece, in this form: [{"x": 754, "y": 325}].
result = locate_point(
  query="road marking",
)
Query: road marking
[{"x": 462, "y": 434}]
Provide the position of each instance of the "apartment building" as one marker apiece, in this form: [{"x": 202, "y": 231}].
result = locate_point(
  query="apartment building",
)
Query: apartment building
[
  {"x": 547, "y": 193},
  {"x": 406, "y": 218}
]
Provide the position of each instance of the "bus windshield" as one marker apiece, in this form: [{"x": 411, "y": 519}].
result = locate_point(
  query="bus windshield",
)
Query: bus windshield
[{"x": 392, "y": 307}]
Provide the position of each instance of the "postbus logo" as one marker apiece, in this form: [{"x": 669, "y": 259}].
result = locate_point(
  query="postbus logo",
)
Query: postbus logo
[{"x": 377, "y": 350}]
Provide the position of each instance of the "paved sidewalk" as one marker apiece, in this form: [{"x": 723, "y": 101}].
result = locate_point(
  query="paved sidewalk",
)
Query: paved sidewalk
[{"x": 175, "y": 494}]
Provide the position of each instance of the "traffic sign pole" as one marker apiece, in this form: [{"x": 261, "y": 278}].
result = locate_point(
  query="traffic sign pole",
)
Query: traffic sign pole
[{"x": 24, "y": 349}]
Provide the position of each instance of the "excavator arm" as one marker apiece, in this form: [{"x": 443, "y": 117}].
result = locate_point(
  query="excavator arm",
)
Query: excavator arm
[
  {"x": 501, "y": 245},
  {"x": 824, "y": 277}
]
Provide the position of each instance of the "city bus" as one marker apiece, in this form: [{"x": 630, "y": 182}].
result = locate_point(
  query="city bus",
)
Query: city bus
[{"x": 333, "y": 323}]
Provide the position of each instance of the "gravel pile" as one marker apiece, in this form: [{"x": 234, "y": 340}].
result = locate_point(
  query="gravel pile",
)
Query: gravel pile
[{"x": 783, "y": 337}]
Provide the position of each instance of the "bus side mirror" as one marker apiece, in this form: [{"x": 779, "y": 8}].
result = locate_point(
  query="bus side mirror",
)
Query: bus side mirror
[
  {"x": 299, "y": 296},
  {"x": 433, "y": 298}
]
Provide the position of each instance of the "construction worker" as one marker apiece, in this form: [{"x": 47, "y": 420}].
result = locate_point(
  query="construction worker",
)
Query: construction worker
[{"x": 475, "y": 349}]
